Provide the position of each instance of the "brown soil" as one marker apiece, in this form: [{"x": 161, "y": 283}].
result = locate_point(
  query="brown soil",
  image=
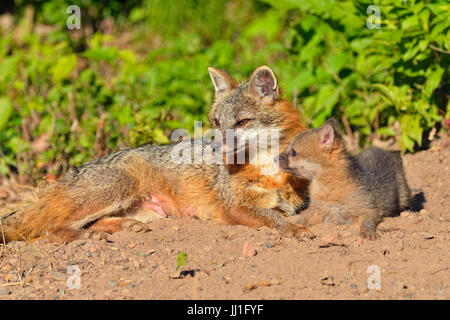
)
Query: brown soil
[{"x": 412, "y": 254}]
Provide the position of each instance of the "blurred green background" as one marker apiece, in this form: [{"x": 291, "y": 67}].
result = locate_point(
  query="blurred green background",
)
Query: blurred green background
[{"x": 137, "y": 69}]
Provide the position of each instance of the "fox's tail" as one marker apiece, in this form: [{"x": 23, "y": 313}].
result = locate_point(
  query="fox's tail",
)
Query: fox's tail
[{"x": 48, "y": 215}]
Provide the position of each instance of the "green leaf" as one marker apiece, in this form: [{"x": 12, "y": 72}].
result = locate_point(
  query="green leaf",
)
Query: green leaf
[
  {"x": 433, "y": 81},
  {"x": 406, "y": 143},
  {"x": 124, "y": 115},
  {"x": 424, "y": 17},
  {"x": 18, "y": 145},
  {"x": 411, "y": 125},
  {"x": 8, "y": 68},
  {"x": 159, "y": 136},
  {"x": 411, "y": 22},
  {"x": 181, "y": 260},
  {"x": 327, "y": 98},
  {"x": 64, "y": 67},
  {"x": 386, "y": 131},
  {"x": 267, "y": 26},
  {"x": 5, "y": 111},
  {"x": 103, "y": 53},
  {"x": 412, "y": 51},
  {"x": 128, "y": 56},
  {"x": 337, "y": 61}
]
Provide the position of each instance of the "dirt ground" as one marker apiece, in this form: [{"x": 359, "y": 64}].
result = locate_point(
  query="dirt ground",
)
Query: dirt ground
[{"x": 411, "y": 257}]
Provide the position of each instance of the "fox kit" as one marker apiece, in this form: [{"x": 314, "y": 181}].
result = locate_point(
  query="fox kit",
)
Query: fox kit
[
  {"x": 128, "y": 184},
  {"x": 346, "y": 188}
]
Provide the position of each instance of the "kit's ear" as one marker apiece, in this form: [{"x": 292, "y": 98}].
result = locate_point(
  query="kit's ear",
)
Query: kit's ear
[
  {"x": 263, "y": 84},
  {"x": 222, "y": 80},
  {"x": 326, "y": 136},
  {"x": 332, "y": 122}
]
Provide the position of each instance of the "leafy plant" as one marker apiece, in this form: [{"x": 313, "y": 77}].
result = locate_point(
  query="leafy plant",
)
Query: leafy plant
[
  {"x": 181, "y": 260},
  {"x": 371, "y": 77},
  {"x": 138, "y": 70}
]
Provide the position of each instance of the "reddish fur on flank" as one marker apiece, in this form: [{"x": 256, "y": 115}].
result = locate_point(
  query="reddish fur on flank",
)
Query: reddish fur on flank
[{"x": 46, "y": 216}]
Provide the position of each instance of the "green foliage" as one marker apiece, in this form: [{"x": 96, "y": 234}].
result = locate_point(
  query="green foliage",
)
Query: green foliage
[
  {"x": 67, "y": 97},
  {"x": 5, "y": 111},
  {"x": 372, "y": 77},
  {"x": 181, "y": 260}
]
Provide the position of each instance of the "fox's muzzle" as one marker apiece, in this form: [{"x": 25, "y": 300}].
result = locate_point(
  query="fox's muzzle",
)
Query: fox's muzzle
[{"x": 282, "y": 160}]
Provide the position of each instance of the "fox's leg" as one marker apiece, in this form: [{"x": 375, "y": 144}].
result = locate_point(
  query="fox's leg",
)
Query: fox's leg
[
  {"x": 132, "y": 221},
  {"x": 108, "y": 225},
  {"x": 145, "y": 213},
  {"x": 72, "y": 204},
  {"x": 133, "y": 187},
  {"x": 255, "y": 207},
  {"x": 63, "y": 236},
  {"x": 89, "y": 194},
  {"x": 257, "y": 217},
  {"x": 310, "y": 217},
  {"x": 114, "y": 196},
  {"x": 318, "y": 212},
  {"x": 369, "y": 222},
  {"x": 115, "y": 224},
  {"x": 404, "y": 193}
]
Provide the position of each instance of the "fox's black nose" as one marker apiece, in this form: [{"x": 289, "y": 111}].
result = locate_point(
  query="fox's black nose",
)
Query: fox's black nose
[{"x": 281, "y": 160}]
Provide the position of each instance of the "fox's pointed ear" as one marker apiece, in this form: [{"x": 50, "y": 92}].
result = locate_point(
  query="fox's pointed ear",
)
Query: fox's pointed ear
[
  {"x": 332, "y": 122},
  {"x": 222, "y": 80},
  {"x": 263, "y": 84},
  {"x": 326, "y": 136}
]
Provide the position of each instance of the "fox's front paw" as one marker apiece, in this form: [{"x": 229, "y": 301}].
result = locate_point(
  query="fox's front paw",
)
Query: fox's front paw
[
  {"x": 301, "y": 233},
  {"x": 95, "y": 235},
  {"x": 135, "y": 226},
  {"x": 368, "y": 234}
]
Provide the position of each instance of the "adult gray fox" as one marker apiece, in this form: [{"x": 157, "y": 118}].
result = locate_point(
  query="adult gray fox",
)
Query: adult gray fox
[{"x": 102, "y": 194}]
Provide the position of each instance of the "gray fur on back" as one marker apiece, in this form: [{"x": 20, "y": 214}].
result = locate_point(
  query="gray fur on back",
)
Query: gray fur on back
[{"x": 380, "y": 173}]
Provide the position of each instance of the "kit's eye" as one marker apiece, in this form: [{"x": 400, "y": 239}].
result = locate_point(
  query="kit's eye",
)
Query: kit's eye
[
  {"x": 243, "y": 122},
  {"x": 216, "y": 123},
  {"x": 293, "y": 153}
]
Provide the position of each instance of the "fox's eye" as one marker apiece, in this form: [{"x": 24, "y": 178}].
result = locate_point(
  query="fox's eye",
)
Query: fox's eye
[
  {"x": 293, "y": 153},
  {"x": 216, "y": 123},
  {"x": 243, "y": 122}
]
